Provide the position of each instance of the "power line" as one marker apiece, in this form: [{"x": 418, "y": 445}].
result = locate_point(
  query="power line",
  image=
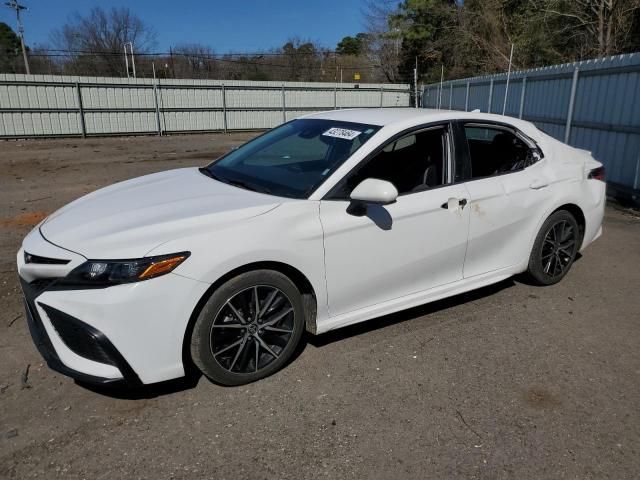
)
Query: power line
[
  {"x": 212, "y": 54},
  {"x": 214, "y": 57}
]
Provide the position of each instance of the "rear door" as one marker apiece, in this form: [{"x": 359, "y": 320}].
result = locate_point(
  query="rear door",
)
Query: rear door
[{"x": 506, "y": 193}]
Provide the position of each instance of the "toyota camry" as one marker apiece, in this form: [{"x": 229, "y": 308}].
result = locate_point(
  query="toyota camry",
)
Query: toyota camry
[{"x": 325, "y": 221}]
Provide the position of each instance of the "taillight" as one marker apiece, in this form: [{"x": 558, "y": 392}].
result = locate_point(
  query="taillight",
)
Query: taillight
[{"x": 597, "y": 174}]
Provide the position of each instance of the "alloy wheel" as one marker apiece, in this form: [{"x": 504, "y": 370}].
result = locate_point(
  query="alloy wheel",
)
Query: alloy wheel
[
  {"x": 558, "y": 248},
  {"x": 252, "y": 329}
]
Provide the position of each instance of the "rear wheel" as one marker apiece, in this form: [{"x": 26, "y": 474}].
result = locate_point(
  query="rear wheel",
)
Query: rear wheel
[
  {"x": 249, "y": 328},
  {"x": 555, "y": 248}
]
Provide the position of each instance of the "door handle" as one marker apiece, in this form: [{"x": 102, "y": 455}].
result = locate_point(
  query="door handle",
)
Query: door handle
[
  {"x": 462, "y": 202},
  {"x": 538, "y": 184}
]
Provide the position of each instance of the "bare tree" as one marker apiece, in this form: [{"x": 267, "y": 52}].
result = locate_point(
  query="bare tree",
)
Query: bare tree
[
  {"x": 95, "y": 40},
  {"x": 605, "y": 26},
  {"x": 384, "y": 37},
  {"x": 483, "y": 28},
  {"x": 302, "y": 57},
  {"x": 194, "y": 60}
]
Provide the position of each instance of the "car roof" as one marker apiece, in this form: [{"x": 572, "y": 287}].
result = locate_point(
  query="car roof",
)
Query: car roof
[{"x": 407, "y": 117}]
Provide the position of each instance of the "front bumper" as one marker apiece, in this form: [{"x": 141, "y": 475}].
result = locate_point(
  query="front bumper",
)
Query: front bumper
[
  {"x": 84, "y": 339},
  {"x": 132, "y": 332}
]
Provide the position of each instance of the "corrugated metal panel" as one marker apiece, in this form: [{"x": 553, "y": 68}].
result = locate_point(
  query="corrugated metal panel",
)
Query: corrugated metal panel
[
  {"x": 458, "y": 97},
  {"x": 479, "y": 97},
  {"x": 47, "y": 105},
  {"x": 605, "y": 118}
]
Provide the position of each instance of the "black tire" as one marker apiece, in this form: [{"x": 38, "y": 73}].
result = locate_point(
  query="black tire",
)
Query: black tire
[
  {"x": 555, "y": 248},
  {"x": 234, "y": 342}
]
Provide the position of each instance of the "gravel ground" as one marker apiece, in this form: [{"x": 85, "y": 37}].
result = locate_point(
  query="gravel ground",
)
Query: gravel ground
[{"x": 511, "y": 381}]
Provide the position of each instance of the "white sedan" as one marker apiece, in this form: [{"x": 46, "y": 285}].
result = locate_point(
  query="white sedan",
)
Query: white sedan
[{"x": 325, "y": 221}]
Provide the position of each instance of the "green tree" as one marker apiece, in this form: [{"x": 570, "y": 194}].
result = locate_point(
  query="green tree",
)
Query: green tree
[
  {"x": 9, "y": 49},
  {"x": 300, "y": 56},
  {"x": 352, "y": 45},
  {"x": 474, "y": 37},
  {"x": 428, "y": 35}
]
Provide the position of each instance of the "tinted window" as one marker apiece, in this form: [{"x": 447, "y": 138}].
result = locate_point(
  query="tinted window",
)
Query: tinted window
[
  {"x": 294, "y": 159},
  {"x": 494, "y": 151},
  {"x": 412, "y": 163}
]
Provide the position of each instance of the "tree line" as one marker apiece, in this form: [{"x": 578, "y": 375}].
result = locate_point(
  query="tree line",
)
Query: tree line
[
  {"x": 465, "y": 37},
  {"x": 474, "y": 37}
]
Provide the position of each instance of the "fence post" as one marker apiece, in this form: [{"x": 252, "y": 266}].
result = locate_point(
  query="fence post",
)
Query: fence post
[
  {"x": 224, "y": 108},
  {"x": 335, "y": 97},
  {"x": 490, "y": 96},
  {"x": 156, "y": 86},
  {"x": 522, "y": 94},
  {"x": 450, "y": 96},
  {"x": 466, "y": 99},
  {"x": 381, "y": 95},
  {"x": 83, "y": 127},
  {"x": 572, "y": 98},
  {"x": 284, "y": 107},
  {"x": 636, "y": 179}
]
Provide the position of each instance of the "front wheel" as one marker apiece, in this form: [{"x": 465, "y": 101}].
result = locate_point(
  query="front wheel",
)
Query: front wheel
[
  {"x": 249, "y": 328},
  {"x": 555, "y": 248}
]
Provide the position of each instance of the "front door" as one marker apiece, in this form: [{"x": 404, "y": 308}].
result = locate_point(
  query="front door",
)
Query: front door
[{"x": 412, "y": 245}]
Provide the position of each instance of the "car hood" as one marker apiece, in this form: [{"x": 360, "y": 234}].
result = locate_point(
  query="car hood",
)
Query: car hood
[{"x": 129, "y": 219}]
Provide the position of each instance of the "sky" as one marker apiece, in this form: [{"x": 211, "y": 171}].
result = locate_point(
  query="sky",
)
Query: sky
[{"x": 225, "y": 25}]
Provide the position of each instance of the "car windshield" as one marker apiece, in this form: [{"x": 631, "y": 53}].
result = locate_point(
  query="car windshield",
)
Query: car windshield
[{"x": 293, "y": 159}]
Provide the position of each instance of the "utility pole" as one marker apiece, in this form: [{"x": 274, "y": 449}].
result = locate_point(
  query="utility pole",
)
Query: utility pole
[
  {"x": 133, "y": 60},
  {"x": 441, "y": 82},
  {"x": 13, "y": 4},
  {"x": 506, "y": 89},
  {"x": 415, "y": 83},
  {"x": 173, "y": 70}
]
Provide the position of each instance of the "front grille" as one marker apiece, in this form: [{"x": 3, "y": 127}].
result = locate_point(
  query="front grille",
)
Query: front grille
[
  {"x": 81, "y": 339},
  {"x": 36, "y": 328},
  {"x": 30, "y": 258},
  {"x": 39, "y": 285}
]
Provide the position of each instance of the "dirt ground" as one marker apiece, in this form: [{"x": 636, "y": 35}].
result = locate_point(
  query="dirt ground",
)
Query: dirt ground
[{"x": 511, "y": 381}]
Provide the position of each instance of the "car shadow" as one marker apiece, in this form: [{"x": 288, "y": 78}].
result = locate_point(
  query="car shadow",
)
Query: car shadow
[
  {"x": 405, "y": 315},
  {"x": 125, "y": 391}
]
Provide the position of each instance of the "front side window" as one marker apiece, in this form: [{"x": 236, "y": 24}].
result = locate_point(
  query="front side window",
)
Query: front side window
[
  {"x": 293, "y": 159},
  {"x": 494, "y": 151},
  {"x": 412, "y": 163}
]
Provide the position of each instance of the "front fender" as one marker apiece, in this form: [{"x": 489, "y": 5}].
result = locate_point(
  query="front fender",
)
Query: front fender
[{"x": 290, "y": 234}]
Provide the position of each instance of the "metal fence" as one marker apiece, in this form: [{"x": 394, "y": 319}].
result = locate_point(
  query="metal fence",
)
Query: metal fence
[
  {"x": 594, "y": 105},
  {"x": 57, "y": 106}
]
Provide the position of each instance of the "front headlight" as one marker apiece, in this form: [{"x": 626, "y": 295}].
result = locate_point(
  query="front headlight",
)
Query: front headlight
[{"x": 102, "y": 273}]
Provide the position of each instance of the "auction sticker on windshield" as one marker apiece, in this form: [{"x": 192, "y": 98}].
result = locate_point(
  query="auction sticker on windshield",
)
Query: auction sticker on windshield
[{"x": 342, "y": 133}]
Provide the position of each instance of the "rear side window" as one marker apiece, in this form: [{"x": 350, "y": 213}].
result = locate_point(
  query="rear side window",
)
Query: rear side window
[{"x": 494, "y": 151}]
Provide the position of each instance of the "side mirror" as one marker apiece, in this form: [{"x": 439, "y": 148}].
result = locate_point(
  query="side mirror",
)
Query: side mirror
[{"x": 373, "y": 190}]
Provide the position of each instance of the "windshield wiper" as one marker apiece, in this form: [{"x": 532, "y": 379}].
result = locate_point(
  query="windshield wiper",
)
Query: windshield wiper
[
  {"x": 248, "y": 186},
  {"x": 235, "y": 183}
]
